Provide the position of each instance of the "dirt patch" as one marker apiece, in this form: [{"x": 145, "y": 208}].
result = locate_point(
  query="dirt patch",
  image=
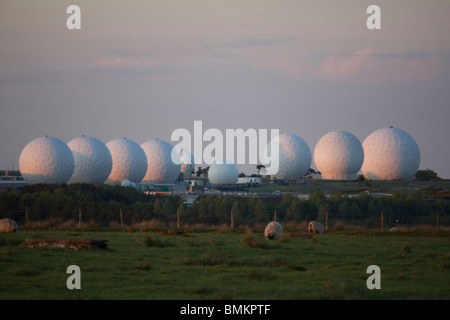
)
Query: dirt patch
[{"x": 74, "y": 244}]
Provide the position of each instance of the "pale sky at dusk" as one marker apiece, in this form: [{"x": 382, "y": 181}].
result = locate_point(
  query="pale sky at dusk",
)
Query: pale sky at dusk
[{"x": 142, "y": 69}]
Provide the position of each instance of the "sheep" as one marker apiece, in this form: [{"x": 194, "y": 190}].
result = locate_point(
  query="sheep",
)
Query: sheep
[
  {"x": 8, "y": 225},
  {"x": 273, "y": 231},
  {"x": 315, "y": 227}
]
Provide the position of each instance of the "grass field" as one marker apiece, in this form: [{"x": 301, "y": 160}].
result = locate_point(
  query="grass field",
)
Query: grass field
[
  {"x": 353, "y": 186},
  {"x": 226, "y": 263}
]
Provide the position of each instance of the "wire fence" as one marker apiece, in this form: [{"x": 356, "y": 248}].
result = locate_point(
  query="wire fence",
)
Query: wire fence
[{"x": 83, "y": 219}]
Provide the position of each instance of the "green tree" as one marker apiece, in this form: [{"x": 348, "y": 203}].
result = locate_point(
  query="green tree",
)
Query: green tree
[
  {"x": 167, "y": 208},
  {"x": 426, "y": 175},
  {"x": 157, "y": 207},
  {"x": 317, "y": 198},
  {"x": 261, "y": 214},
  {"x": 237, "y": 217},
  {"x": 293, "y": 211},
  {"x": 251, "y": 206},
  {"x": 323, "y": 210}
]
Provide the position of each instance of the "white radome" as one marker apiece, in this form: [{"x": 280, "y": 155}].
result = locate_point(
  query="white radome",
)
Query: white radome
[
  {"x": 125, "y": 183},
  {"x": 161, "y": 168},
  {"x": 187, "y": 162},
  {"x": 294, "y": 156},
  {"x": 128, "y": 183},
  {"x": 46, "y": 160},
  {"x": 338, "y": 155},
  {"x": 390, "y": 154},
  {"x": 93, "y": 161},
  {"x": 223, "y": 172},
  {"x": 129, "y": 161}
]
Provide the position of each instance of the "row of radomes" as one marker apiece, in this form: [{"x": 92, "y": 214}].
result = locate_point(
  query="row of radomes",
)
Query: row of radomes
[
  {"x": 88, "y": 160},
  {"x": 386, "y": 154}
]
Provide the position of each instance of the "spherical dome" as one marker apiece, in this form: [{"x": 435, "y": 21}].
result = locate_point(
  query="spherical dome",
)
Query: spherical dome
[
  {"x": 390, "y": 154},
  {"x": 93, "y": 161},
  {"x": 46, "y": 160},
  {"x": 338, "y": 155},
  {"x": 223, "y": 172},
  {"x": 125, "y": 183},
  {"x": 293, "y": 154},
  {"x": 161, "y": 167},
  {"x": 187, "y": 162},
  {"x": 129, "y": 161}
]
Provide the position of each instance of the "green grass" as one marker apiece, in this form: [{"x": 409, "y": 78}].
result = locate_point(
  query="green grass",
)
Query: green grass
[
  {"x": 239, "y": 264},
  {"x": 351, "y": 186}
]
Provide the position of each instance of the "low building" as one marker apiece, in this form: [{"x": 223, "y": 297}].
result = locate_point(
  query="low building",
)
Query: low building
[
  {"x": 288, "y": 180},
  {"x": 249, "y": 181},
  {"x": 162, "y": 188}
]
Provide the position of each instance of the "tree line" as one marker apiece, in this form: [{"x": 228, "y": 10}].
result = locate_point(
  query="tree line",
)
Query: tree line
[{"x": 104, "y": 202}]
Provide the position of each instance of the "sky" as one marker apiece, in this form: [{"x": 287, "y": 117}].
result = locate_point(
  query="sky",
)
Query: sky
[{"x": 142, "y": 69}]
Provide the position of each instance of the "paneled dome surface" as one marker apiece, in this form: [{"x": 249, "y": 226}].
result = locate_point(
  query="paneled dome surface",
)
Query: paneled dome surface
[
  {"x": 129, "y": 161},
  {"x": 390, "y": 154},
  {"x": 46, "y": 160}
]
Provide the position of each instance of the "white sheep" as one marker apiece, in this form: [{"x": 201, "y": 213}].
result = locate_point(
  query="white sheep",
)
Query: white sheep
[
  {"x": 273, "y": 230},
  {"x": 315, "y": 227},
  {"x": 8, "y": 225}
]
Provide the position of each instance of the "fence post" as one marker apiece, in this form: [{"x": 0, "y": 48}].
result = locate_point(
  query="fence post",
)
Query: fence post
[
  {"x": 121, "y": 218},
  {"x": 275, "y": 215},
  {"x": 437, "y": 221},
  {"x": 79, "y": 218},
  {"x": 178, "y": 217},
  {"x": 26, "y": 216},
  {"x": 326, "y": 220},
  {"x": 231, "y": 219},
  {"x": 381, "y": 221}
]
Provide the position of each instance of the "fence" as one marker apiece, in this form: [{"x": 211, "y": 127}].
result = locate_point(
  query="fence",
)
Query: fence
[{"x": 127, "y": 218}]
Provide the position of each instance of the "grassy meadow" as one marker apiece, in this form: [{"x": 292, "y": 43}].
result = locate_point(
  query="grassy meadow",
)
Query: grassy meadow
[
  {"x": 354, "y": 186},
  {"x": 225, "y": 263}
]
